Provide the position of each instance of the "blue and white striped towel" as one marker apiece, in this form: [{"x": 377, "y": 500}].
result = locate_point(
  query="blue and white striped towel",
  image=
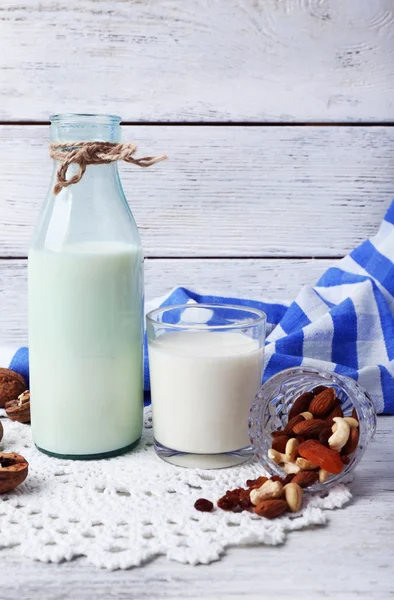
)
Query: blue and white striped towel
[{"x": 344, "y": 323}]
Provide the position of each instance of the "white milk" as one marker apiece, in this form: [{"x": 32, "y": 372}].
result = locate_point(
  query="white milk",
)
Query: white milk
[
  {"x": 85, "y": 338},
  {"x": 202, "y": 386}
]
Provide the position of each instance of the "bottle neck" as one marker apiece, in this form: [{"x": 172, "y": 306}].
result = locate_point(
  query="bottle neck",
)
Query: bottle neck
[
  {"x": 85, "y": 128},
  {"x": 88, "y": 128}
]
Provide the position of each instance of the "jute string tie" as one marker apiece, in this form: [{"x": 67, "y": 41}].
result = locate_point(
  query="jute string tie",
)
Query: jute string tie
[{"x": 93, "y": 153}]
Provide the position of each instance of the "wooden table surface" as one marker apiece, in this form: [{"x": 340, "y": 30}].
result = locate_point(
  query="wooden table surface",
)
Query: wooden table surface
[{"x": 351, "y": 557}]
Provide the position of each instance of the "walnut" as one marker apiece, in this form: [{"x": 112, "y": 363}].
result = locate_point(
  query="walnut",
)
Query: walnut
[
  {"x": 19, "y": 409},
  {"x": 11, "y": 385},
  {"x": 13, "y": 471}
]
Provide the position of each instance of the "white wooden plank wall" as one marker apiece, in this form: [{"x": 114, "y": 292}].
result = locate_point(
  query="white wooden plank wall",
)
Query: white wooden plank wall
[
  {"x": 276, "y": 116},
  {"x": 199, "y": 60}
]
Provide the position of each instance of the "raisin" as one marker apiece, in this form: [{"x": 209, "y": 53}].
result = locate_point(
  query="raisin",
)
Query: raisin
[
  {"x": 225, "y": 503},
  {"x": 203, "y": 505},
  {"x": 325, "y": 435},
  {"x": 256, "y": 483},
  {"x": 288, "y": 479}
]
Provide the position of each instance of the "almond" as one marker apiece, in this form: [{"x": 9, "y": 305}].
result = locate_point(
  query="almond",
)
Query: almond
[
  {"x": 279, "y": 443},
  {"x": 336, "y": 412},
  {"x": 318, "y": 389},
  {"x": 323, "y": 403},
  {"x": 309, "y": 429},
  {"x": 352, "y": 442},
  {"x": 326, "y": 458},
  {"x": 305, "y": 478},
  {"x": 270, "y": 509},
  {"x": 301, "y": 404},
  {"x": 288, "y": 430},
  {"x": 277, "y": 433}
]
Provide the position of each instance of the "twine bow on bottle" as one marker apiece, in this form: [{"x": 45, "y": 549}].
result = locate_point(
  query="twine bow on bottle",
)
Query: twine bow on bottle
[{"x": 93, "y": 153}]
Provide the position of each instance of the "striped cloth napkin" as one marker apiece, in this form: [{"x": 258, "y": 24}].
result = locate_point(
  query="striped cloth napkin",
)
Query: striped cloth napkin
[{"x": 345, "y": 323}]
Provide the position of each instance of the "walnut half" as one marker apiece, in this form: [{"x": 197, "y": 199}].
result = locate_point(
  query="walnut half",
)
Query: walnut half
[{"x": 19, "y": 409}]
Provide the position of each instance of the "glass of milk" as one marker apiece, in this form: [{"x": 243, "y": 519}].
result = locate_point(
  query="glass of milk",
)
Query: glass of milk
[
  {"x": 206, "y": 364},
  {"x": 86, "y": 308}
]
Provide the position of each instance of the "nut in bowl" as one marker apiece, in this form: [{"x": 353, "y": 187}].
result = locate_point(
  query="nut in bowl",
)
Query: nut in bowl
[{"x": 332, "y": 420}]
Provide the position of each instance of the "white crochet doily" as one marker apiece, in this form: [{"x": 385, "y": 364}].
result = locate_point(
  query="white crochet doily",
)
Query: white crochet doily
[{"x": 120, "y": 512}]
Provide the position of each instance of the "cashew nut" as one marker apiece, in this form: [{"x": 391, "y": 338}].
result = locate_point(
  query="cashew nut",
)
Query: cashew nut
[
  {"x": 323, "y": 475},
  {"x": 290, "y": 467},
  {"x": 307, "y": 415},
  {"x": 291, "y": 450},
  {"x": 340, "y": 435},
  {"x": 293, "y": 494},
  {"x": 283, "y": 459},
  {"x": 353, "y": 423},
  {"x": 276, "y": 456},
  {"x": 305, "y": 465},
  {"x": 269, "y": 489}
]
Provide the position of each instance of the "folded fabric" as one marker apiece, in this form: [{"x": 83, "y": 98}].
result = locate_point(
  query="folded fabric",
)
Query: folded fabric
[{"x": 345, "y": 323}]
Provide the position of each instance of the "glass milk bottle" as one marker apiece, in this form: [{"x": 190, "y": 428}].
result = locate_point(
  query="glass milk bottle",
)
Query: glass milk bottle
[{"x": 86, "y": 308}]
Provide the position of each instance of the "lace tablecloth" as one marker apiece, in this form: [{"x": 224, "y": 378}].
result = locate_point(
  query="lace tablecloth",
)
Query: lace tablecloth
[{"x": 120, "y": 512}]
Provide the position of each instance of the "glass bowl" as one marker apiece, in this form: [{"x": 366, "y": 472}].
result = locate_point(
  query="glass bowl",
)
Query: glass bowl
[{"x": 275, "y": 398}]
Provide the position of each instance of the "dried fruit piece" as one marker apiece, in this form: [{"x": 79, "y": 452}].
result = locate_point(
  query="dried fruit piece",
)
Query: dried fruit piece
[
  {"x": 11, "y": 385},
  {"x": 287, "y": 479},
  {"x": 235, "y": 500},
  {"x": 293, "y": 495},
  {"x": 305, "y": 478},
  {"x": 288, "y": 430},
  {"x": 203, "y": 505},
  {"x": 336, "y": 412},
  {"x": 301, "y": 404},
  {"x": 256, "y": 483},
  {"x": 345, "y": 459},
  {"x": 322, "y": 456},
  {"x": 279, "y": 443},
  {"x": 310, "y": 428},
  {"x": 325, "y": 435},
  {"x": 19, "y": 409},
  {"x": 271, "y": 509},
  {"x": 13, "y": 471},
  {"x": 323, "y": 403},
  {"x": 352, "y": 442}
]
